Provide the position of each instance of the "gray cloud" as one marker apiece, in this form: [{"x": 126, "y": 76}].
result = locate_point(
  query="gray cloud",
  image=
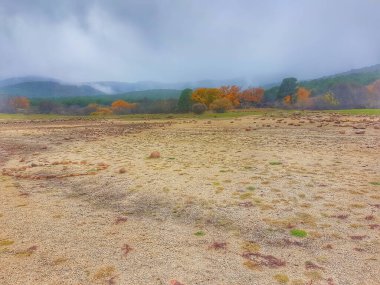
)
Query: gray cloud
[{"x": 181, "y": 40}]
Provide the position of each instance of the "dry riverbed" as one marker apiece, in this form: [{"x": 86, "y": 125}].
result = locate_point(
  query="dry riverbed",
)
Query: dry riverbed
[{"x": 290, "y": 199}]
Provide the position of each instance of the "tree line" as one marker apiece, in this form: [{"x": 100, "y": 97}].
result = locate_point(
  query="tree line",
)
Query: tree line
[{"x": 289, "y": 94}]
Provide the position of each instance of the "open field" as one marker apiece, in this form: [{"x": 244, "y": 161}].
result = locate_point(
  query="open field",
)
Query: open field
[{"x": 263, "y": 197}]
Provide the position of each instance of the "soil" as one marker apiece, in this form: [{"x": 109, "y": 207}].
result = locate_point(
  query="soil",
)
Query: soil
[{"x": 290, "y": 199}]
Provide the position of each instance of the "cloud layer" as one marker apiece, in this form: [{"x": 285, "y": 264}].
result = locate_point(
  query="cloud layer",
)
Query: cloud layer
[{"x": 185, "y": 40}]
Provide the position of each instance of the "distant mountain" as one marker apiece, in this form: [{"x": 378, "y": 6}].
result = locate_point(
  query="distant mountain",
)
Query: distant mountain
[
  {"x": 17, "y": 80},
  {"x": 48, "y": 89},
  {"x": 33, "y": 87}
]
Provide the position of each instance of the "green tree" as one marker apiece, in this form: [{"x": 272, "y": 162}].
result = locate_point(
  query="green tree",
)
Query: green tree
[
  {"x": 288, "y": 87},
  {"x": 185, "y": 102}
]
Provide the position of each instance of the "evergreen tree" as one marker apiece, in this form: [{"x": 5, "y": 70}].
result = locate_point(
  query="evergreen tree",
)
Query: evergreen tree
[{"x": 185, "y": 102}]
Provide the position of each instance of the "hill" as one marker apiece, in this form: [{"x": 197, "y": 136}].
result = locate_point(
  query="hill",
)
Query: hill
[
  {"x": 48, "y": 89},
  {"x": 360, "y": 77}
]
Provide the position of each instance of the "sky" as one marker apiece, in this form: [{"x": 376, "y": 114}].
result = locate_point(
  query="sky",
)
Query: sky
[{"x": 187, "y": 40}]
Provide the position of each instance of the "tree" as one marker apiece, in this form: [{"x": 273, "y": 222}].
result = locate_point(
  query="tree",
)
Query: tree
[
  {"x": 288, "y": 99},
  {"x": 231, "y": 93},
  {"x": 102, "y": 111},
  {"x": 122, "y": 107},
  {"x": 185, "y": 101},
  {"x": 374, "y": 88},
  {"x": 205, "y": 95},
  {"x": 303, "y": 97},
  {"x": 47, "y": 107},
  {"x": 19, "y": 103},
  {"x": 288, "y": 87},
  {"x": 90, "y": 108},
  {"x": 251, "y": 96},
  {"x": 330, "y": 99},
  {"x": 221, "y": 105}
]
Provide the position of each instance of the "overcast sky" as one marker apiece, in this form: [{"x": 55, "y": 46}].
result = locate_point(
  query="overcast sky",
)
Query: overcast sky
[{"x": 187, "y": 40}]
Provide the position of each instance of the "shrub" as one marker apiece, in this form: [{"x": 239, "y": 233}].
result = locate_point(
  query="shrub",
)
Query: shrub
[
  {"x": 199, "y": 108},
  {"x": 221, "y": 105}
]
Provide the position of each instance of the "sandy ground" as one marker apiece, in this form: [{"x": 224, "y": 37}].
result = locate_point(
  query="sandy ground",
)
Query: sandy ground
[{"x": 81, "y": 202}]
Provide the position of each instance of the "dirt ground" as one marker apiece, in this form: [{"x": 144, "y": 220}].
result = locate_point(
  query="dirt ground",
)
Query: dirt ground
[{"x": 290, "y": 199}]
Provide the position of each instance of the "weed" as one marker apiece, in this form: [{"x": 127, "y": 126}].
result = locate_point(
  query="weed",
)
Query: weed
[
  {"x": 311, "y": 265},
  {"x": 126, "y": 249},
  {"x": 250, "y": 246},
  {"x": 28, "y": 252},
  {"x": 104, "y": 272},
  {"x": 200, "y": 234},
  {"x": 275, "y": 163},
  {"x": 313, "y": 275},
  {"x": 245, "y": 196},
  {"x": 298, "y": 233},
  {"x": 264, "y": 260},
  {"x": 252, "y": 265},
  {"x": 120, "y": 220},
  {"x": 218, "y": 245},
  {"x": 281, "y": 278},
  {"x": 6, "y": 242}
]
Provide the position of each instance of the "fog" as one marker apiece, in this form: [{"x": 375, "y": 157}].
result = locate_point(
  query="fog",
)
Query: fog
[{"x": 187, "y": 40}]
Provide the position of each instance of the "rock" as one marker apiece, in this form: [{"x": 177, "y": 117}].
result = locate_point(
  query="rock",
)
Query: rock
[
  {"x": 342, "y": 132},
  {"x": 155, "y": 154},
  {"x": 122, "y": 170},
  {"x": 360, "y": 132},
  {"x": 377, "y": 127},
  {"x": 360, "y": 126}
]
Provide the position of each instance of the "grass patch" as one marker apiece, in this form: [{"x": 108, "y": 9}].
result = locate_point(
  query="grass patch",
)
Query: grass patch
[
  {"x": 251, "y": 188},
  {"x": 105, "y": 272},
  {"x": 275, "y": 163},
  {"x": 375, "y": 183},
  {"x": 245, "y": 196},
  {"x": 250, "y": 246},
  {"x": 281, "y": 278},
  {"x": 298, "y": 233},
  {"x": 6, "y": 242},
  {"x": 200, "y": 233}
]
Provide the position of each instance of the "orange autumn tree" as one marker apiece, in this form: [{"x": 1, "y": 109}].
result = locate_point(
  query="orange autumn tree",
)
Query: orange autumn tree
[
  {"x": 232, "y": 93},
  {"x": 303, "y": 94},
  {"x": 205, "y": 95},
  {"x": 288, "y": 99},
  {"x": 303, "y": 97},
  {"x": 251, "y": 96},
  {"x": 122, "y": 107}
]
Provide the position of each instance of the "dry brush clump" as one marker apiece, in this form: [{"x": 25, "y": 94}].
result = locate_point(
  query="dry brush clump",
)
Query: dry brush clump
[
  {"x": 264, "y": 260},
  {"x": 27, "y": 171},
  {"x": 199, "y": 108}
]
